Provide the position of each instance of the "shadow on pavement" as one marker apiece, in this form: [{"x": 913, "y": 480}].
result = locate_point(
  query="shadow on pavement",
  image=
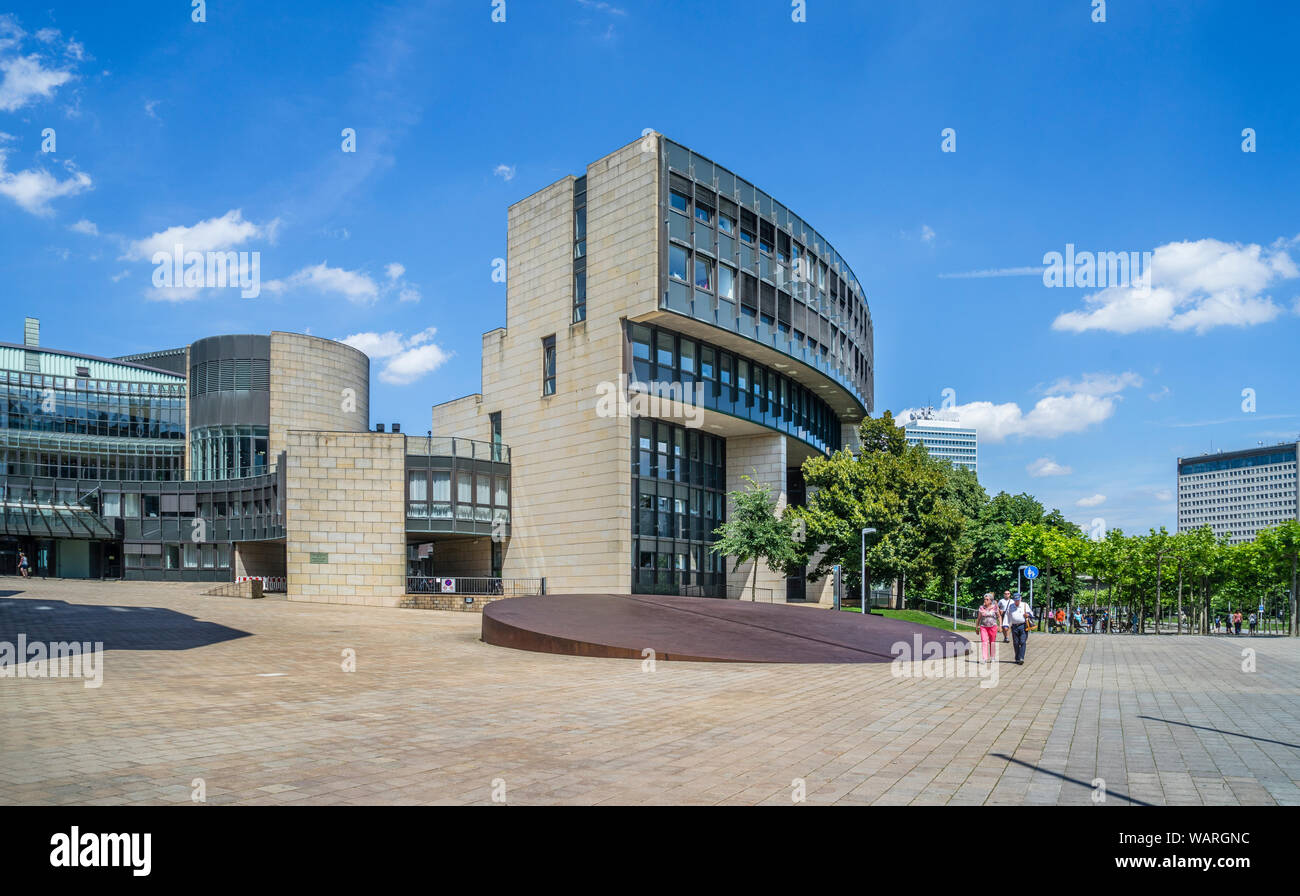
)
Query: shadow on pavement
[{"x": 119, "y": 628}]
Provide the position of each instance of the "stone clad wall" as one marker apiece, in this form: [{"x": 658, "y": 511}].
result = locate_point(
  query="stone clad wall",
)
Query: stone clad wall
[
  {"x": 570, "y": 468},
  {"x": 763, "y": 459},
  {"x": 309, "y": 376},
  {"x": 346, "y": 497}
]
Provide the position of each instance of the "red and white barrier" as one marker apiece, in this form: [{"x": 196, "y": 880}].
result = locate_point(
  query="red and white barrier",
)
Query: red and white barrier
[{"x": 269, "y": 583}]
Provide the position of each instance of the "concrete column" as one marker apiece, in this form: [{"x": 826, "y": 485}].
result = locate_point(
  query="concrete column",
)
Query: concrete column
[{"x": 763, "y": 458}]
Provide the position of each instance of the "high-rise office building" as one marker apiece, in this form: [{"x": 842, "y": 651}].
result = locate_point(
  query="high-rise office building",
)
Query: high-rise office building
[
  {"x": 1238, "y": 493},
  {"x": 944, "y": 437}
]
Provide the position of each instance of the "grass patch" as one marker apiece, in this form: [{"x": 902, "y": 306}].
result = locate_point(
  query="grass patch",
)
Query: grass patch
[{"x": 920, "y": 617}]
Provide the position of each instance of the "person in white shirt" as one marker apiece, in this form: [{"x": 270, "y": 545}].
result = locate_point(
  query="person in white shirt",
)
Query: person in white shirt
[
  {"x": 1019, "y": 614},
  {"x": 1002, "y": 614}
]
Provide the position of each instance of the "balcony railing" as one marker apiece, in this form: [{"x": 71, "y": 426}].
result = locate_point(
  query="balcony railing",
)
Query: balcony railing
[{"x": 454, "y": 446}]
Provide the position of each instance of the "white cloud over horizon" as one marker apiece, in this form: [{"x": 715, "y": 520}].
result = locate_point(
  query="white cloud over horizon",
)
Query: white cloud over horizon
[
  {"x": 1194, "y": 285},
  {"x": 1046, "y": 466},
  {"x": 1069, "y": 407},
  {"x": 407, "y": 358}
]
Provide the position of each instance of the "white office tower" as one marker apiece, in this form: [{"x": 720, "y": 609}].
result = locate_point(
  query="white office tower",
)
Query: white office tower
[
  {"x": 1238, "y": 493},
  {"x": 943, "y": 436}
]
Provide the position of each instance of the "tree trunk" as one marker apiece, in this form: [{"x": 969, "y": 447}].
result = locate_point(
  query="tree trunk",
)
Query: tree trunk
[
  {"x": 1159, "y": 579},
  {"x": 1295, "y": 624},
  {"x": 1180, "y": 598}
]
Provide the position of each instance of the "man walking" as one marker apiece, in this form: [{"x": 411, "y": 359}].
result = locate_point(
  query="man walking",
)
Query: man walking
[
  {"x": 1002, "y": 615},
  {"x": 1019, "y": 615}
]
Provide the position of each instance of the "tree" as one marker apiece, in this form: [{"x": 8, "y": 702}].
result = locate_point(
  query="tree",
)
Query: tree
[
  {"x": 753, "y": 531},
  {"x": 1280, "y": 547},
  {"x": 895, "y": 488}
]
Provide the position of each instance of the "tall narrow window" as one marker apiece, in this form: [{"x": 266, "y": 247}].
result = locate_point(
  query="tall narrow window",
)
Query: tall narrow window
[
  {"x": 495, "y": 420},
  {"x": 580, "y": 249},
  {"x": 548, "y": 365}
]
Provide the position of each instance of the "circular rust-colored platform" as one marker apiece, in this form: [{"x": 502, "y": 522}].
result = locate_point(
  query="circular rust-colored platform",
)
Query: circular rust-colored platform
[{"x": 704, "y": 630}]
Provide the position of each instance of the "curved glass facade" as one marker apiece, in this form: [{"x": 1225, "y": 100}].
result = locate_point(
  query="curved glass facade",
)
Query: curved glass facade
[
  {"x": 727, "y": 382},
  {"x": 739, "y": 260},
  {"x": 228, "y": 452}
]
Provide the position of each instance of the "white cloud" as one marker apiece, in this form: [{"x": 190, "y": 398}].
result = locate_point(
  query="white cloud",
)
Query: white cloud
[
  {"x": 602, "y": 6},
  {"x": 995, "y": 272},
  {"x": 1164, "y": 494},
  {"x": 1045, "y": 466},
  {"x": 25, "y": 79},
  {"x": 505, "y": 172},
  {"x": 408, "y": 294},
  {"x": 86, "y": 227},
  {"x": 408, "y": 358},
  {"x": 1161, "y": 395},
  {"x": 149, "y": 107},
  {"x": 34, "y": 188},
  {"x": 352, "y": 285},
  {"x": 1196, "y": 285},
  {"x": 377, "y": 345},
  {"x": 927, "y": 233},
  {"x": 1096, "y": 384},
  {"x": 1094, "y": 501},
  {"x": 395, "y": 271},
  {"x": 213, "y": 235},
  {"x": 1068, "y": 408},
  {"x": 119, "y": 275}
]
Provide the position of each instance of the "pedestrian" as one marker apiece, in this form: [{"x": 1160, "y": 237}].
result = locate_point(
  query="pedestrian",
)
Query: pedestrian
[
  {"x": 1060, "y": 620},
  {"x": 1236, "y": 623},
  {"x": 1019, "y": 615},
  {"x": 989, "y": 616},
  {"x": 22, "y": 565},
  {"x": 1253, "y": 623},
  {"x": 1002, "y": 614}
]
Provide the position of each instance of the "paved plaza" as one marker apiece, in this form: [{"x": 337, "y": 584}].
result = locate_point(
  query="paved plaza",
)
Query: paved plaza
[{"x": 252, "y": 698}]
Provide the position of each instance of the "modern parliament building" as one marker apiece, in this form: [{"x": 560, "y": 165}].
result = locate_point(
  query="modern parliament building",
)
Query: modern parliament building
[{"x": 670, "y": 329}]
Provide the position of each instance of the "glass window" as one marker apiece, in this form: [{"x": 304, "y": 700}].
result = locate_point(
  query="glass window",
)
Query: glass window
[
  {"x": 502, "y": 498},
  {"x": 548, "y": 365},
  {"x": 746, "y": 236},
  {"x": 703, "y": 273},
  {"x": 703, "y": 214},
  {"x": 112, "y": 504},
  {"x": 677, "y": 262},
  {"x": 417, "y": 488},
  {"x": 678, "y": 201},
  {"x": 579, "y": 296},
  {"x": 726, "y": 282},
  {"x": 726, "y": 224},
  {"x": 131, "y": 506}
]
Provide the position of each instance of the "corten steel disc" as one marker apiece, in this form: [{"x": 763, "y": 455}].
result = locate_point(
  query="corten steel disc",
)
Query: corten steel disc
[{"x": 703, "y": 630}]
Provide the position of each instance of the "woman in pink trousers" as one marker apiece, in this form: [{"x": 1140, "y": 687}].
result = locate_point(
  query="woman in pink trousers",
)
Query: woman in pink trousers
[{"x": 988, "y": 625}]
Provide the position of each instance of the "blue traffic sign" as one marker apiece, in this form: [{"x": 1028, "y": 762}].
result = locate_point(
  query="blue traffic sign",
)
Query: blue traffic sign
[{"x": 1031, "y": 572}]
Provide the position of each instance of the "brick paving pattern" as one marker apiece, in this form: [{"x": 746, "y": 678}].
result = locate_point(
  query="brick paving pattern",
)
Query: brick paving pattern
[{"x": 251, "y": 697}]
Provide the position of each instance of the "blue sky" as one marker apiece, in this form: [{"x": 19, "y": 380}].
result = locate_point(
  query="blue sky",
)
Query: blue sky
[{"x": 1123, "y": 135}]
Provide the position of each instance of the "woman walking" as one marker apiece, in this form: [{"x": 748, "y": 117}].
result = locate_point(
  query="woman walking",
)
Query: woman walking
[{"x": 988, "y": 626}]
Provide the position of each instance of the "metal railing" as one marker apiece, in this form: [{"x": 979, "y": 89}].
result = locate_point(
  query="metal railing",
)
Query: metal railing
[
  {"x": 730, "y": 592},
  {"x": 475, "y": 585},
  {"x": 454, "y": 446}
]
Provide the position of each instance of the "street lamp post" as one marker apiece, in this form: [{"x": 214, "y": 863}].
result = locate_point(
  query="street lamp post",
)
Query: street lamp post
[{"x": 863, "y": 568}]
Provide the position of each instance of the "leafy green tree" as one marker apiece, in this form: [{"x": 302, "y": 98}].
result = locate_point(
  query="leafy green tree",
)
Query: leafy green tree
[
  {"x": 897, "y": 489},
  {"x": 1280, "y": 548},
  {"x": 753, "y": 531}
]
